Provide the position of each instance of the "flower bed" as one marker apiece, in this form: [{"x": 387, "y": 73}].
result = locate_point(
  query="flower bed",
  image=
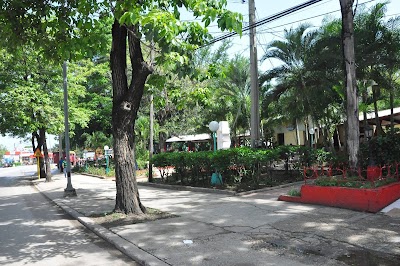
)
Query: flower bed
[{"x": 359, "y": 199}]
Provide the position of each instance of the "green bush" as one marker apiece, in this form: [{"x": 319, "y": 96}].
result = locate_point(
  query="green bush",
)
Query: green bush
[
  {"x": 351, "y": 181},
  {"x": 99, "y": 170},
  {"x": 381, "y": 150},
  {"x": 237, "y": 166}
]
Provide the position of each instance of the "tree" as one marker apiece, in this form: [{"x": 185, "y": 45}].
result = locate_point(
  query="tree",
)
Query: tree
[
  {"x": 95, "y": 77},
  {"x": 185, "y": 105},
  {"x": 96, "y": 140},
  {"x": 72, "y": 25},
  {"x": 234, "y": 88},
  {"x": 296, "y": 78},
  {"x": 352, "y": 122},
  {"x": 155, "y": 20},
  {"x": 29, "y": 100},
  {"x": 378, "y": 60},
  {"x": 32, "y": 99}
]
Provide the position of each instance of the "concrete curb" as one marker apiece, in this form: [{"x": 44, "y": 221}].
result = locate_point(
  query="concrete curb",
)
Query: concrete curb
[
  {"x": 188, "y": 188},
  {"x": 98, "y": 176},
  {"x": 217, "y": 191},
  {"x": 128, "y": 248},
  {"x": 270, "y": 188}
]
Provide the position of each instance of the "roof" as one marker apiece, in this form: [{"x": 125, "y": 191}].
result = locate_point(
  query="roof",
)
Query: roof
[
  {"x": 184, "y": 138},
  {"x": 384, "y": 116}
]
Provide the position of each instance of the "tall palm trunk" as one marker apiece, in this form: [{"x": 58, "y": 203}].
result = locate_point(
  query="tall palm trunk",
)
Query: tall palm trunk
[
  {"x": 391, "y": 92},
  {"x": 298, "y": 140},
  {"x": 377, "y": 120}
]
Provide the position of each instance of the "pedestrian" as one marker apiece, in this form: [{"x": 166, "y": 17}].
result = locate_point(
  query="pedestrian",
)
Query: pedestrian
[
  {"x": 61, "y": 165},
  {"x": 64, "y": 164}
]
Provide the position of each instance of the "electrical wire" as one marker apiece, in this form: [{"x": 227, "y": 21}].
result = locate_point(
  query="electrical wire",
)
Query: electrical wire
[
  {"x": 277, "y": 16},
  {"x": 265, "y": 20}
]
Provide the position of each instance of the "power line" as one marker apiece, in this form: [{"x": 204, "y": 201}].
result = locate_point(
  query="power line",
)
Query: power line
[
  {"x": 265, "y": 20},
  {"x": 279, "y": 15}
]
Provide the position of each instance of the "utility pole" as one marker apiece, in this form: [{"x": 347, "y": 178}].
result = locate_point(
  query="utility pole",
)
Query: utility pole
[
  {"x": 60, "y": 151},
  {"x": 151, "y": 133},
  {"x": 255, "y": 103},
  {"x": 69, "y": 191}
]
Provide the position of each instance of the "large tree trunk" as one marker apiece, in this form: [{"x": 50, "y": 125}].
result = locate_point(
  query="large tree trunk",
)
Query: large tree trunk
[
  {"x": 126, "y": 101},
  {"x": 353, "y": 131},
  {"x": 39, "y": 146},
  {"x": 162, "y": 137},
  {"x": 47, "y": 168}
]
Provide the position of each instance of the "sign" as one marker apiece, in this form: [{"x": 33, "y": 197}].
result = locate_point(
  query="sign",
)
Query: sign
[{"x": 37, "y": 153}]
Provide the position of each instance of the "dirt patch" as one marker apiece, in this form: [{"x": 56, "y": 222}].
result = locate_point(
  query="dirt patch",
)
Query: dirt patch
[{"x": 113, "y": 219}]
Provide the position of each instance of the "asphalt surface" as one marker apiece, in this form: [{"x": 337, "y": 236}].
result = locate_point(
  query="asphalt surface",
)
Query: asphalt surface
[
  {"x": 223, "y": 229},
  {"x": 34, "y": 231}
]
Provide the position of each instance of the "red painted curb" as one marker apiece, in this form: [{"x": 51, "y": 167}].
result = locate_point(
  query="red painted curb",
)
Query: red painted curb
[{"x": 369, "y": 200}]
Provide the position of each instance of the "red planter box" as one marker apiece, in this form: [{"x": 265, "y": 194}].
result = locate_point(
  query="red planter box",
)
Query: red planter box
[
  {"x": 369, "y": 200},
  {"x": 373, "y": 172}
]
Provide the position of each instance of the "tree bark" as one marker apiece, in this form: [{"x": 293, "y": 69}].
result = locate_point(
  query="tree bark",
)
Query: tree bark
[
  {"x": 39, "y": 141},
  {"x": 126, "y": 101},
  {"x": 353, "y": 131},
  {"x": 47, "y": 167}
]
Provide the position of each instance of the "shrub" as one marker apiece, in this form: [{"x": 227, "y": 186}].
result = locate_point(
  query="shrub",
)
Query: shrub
[
  {"x": 381, "y": 150},
  {"x": 352, "y": 182},
  {"x": 237, "y": 166},
  {"x": 294, "y": 193}
]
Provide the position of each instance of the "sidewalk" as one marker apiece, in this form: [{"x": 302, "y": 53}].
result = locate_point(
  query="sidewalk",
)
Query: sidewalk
[{"x": 222, "y": 229}]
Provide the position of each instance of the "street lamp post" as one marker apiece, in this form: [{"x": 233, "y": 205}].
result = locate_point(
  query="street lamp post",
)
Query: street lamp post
[
  {"x": 216, "y": 178},
  {"x": 106, "y": 149},
  {"x": 373, "y": 171},
  {"x": 213, "y": 126},
  {"x": 368, "y": 134},
  {"x": 69, "y": 191},
  {"x": 312, "y": 132}
]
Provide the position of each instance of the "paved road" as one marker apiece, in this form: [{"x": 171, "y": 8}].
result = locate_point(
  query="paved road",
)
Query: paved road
[{"x": 33, "y": 231}]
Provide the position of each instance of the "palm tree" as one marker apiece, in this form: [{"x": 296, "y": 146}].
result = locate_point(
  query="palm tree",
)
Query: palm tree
[
  {"x": 235, "y": 89},
  {"x": 379, "y": 59},
  {"x": 294, "y": 78}
]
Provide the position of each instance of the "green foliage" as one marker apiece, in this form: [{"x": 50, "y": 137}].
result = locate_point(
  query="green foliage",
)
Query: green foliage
[
  {"x": 309, "y": 82},
  {"x": 352, "y": 182},
  {"x": 294, "y": 193},
  {"x": 31, "y": 91},
  {"x": 310, "y": 156},
  {"x": 101, "y": 171},
  {"x": 95, "y": 102},
  {"x": 382, "y": 150},
  {"x": 234, "y": 88},
  {"x": 237, "y": 166},
  {"x": 96, "y": 140}
]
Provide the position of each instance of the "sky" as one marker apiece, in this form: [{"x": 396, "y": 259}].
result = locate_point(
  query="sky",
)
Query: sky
[
  {"x": 12, "y": 143},
  {"x": 274, "y": 30},
  {"x": 265, "y": 33}
]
